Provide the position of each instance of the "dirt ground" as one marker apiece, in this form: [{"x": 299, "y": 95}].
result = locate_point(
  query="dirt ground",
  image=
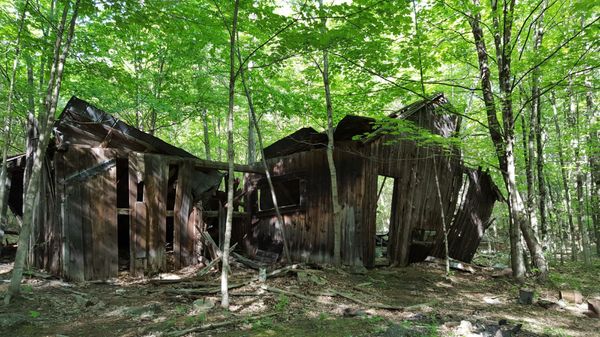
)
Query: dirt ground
[{"x": 306, "y": 301}]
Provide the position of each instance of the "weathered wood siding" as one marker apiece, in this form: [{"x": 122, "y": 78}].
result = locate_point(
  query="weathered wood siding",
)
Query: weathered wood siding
[
  {"x": 45, "y": 247},
  {"x": 185, "y": 232},
  {"x": 415, "y": 203},
  {"x": 148, "y": 174},
  {"x": 88, "y": 210},
  {"x": 309, "y": 228}
]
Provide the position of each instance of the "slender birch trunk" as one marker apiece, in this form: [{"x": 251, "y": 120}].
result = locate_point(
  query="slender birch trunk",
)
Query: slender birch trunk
[
  {"x": 205, "y": 133},
  {"x": 565, "y": 183},
  {"x": 439, "y": 194},
  {"x": 337, "y": 225},
  {"x": 579, "y": 177},
  {"x": 251, "y": 136},
  {"x": 8, "y": 120},
  {"x": 47, "y": 118},
  {"x": 230, "y": 159},
  {"x": 536, "y": 119},
  {"x": 254, "y": 122},
  {"x": 496, "y": 134},
  {"x": 504, "y": 138},
  {"x": 32, "y": 128},
  {"x": 594, "y": 162}
]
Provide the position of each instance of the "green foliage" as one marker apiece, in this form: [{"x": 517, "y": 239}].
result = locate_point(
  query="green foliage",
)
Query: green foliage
[
  {"x": 196, "y": 319},
  {"x": 181, "y": 309},
  {"x": 262, "y": 324},
  {"x": 34, "y": 314},
  {"x": 555, "y": 332},
  {"x": 282, "y": 302}
]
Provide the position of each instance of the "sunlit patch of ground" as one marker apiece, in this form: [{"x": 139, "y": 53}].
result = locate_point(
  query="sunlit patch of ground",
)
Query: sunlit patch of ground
[{"x": 459, "y": 305}]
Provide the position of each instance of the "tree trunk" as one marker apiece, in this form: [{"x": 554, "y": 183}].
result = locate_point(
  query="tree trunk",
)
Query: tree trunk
[
  {"x": 536, "y": 119},
  {"x": 558, "y": 225},
  {"x": 439, "y": 194},
  {"x": 594, "y": 162},
  {"x": 574, "y": 110},
  {"x": 205, "y": 132},
  {"x": 32, "y": 129},
  {"x": 47, "y": 118},
  {"x": 157, "y": 91},
  {"x": 251, "y": 125},
  {"x": 8, "y": 121},
  {"x": 506, "y": 142},
  {"x": 528, "y": 156},
  {"x": 563, "y": 171},
  {"x": 253, "y": 121},
  {"x": 230, "y": 159},
  {"x": 495, "y": 130},
  {"x": 337, "y": 225}
]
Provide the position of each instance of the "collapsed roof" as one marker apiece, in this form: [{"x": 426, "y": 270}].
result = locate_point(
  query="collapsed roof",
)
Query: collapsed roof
[{"x": 351, "y": 126}]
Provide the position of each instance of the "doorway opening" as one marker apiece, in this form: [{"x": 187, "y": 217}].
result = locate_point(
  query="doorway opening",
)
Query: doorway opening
[{"x": 384, "y": 205}]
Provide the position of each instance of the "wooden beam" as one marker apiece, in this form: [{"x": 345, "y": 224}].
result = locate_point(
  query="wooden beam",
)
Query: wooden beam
[
  {"x": 201, "y": 163},
  {"x": 216, "y": 165},
  {"x": 215, "y": 214}
]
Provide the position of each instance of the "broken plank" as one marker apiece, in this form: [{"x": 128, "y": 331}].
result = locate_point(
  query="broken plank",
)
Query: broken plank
[
  {"x": 247, "y": 262},
  {"x": 212, "y": 263}
]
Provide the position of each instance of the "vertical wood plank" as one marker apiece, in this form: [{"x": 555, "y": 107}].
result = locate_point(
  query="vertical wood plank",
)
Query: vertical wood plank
[
  {"x": 109, "y": 188},
  {"x": 155, "y": 194},
  {"x": 183, "y": 233},
  {"x": 137, "y": 218},
  {"x": 73, "y": 255},
  {"x": 139, "y": 232}
]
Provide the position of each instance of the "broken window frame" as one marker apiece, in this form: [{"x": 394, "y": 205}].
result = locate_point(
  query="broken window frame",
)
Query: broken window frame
[{"x": 263, "y": 187}]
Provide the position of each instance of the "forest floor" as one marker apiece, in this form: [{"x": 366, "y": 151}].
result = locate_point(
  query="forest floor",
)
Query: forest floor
[{"x": 306, "y": 301}]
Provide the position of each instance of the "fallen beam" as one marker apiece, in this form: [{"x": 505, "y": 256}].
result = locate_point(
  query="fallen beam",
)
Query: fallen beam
[{"x": 219, "y": 325}]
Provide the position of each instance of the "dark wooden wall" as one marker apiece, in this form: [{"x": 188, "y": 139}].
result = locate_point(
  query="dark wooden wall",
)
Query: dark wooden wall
[
  {"x": 309, "y": 228},
  {"x": 415, "y": 202},
  {"x": 414, "y": 165},
  {"x": 76, "y": 228},
  {"x": 88, "y": 210}
]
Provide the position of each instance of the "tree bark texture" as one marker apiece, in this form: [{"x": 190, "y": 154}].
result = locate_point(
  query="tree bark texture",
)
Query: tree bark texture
[
  {"x": 8, "y": 121},
  {"x": 205, "y": 133},
  {"x": 254, "y": 122},
  {"x": 536, "y": 118},
  {"x": 337, "y": 209},
  {"x": 594, "y": 162},
  {"x": 565, "y": 180},
  {"x": 505, "y": 142},
  {"x": 496, "y": 135},
  {"x": 230, "y": 160},
  {"x": 46, "y": 118}
]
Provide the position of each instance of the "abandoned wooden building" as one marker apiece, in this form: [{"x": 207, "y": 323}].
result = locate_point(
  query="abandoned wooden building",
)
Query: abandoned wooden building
[
  {"x": 302, "y": 184},
  {"x": 116, "y": 198}
]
